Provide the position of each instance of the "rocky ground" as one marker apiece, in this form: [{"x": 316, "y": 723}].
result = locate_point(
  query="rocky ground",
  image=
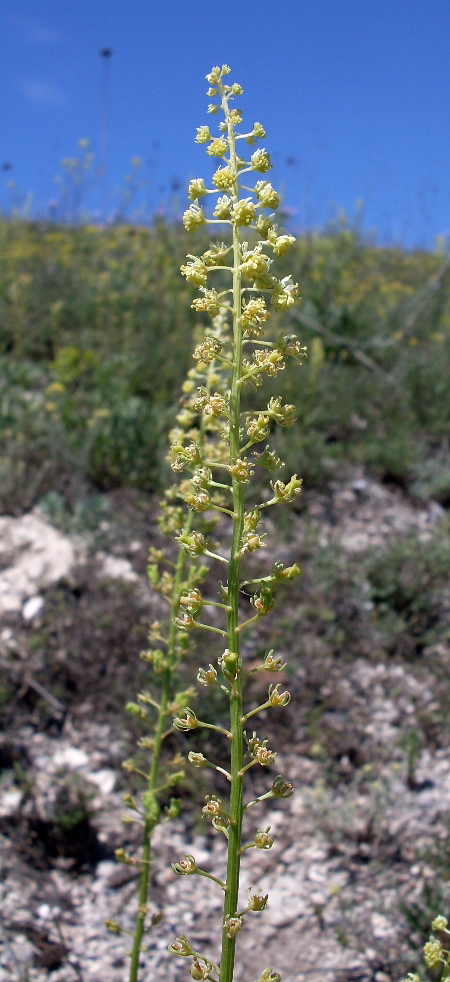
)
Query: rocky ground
[{"x": 361, "y": 857}]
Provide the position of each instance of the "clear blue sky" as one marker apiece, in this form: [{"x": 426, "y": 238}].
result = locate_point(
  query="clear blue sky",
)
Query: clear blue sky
[{"x": 354, "y": 95}]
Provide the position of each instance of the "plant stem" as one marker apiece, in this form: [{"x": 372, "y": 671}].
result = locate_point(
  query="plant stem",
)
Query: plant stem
[
  {"x": 161, "y": 733},
  {"x": 236, "y": 726},
  {"x": 154, "y": 774}
]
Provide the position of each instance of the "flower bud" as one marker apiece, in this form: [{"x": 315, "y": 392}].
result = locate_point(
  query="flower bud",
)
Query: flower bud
[
  {"x": 268, "y": 197},
  {"x": 189, "y": 723},
  {"x": 213, "y": 806},
  {"x": 289, "y": 344},
  {"x": 289, "y": 491},
  {"x": 269, "y": 976},
  {"x": 244, "y": 211},
  {"x": 282, "y": 788},
  {"x": 284, "y": 293},
  {"x": 258, "y": 131},
  {"x": 207, "y": 677},
  {"x": 433, "y": 952},
  {"x": 223, "y": 208},
  {"x": 265, "y": 602},
  {"x": 182, "y": 946},
  {"x": 255, "y": 264},
  {"x": 173, "y": 809},
  {"x": 209, "y": 303},
  {"x": 198, "y": 502},
  {"x": 195, "y": 271},
  {"x": 193, "y": 542},
  {"x": 233, "y": 925},
  {"x": 185, "y": 867},
  {"x": 270, "y": 460},
  {"x": 175, "y": 779},
  {"x": 199, "y": 970},
  {"x": 242, "y": 471},
  {"x": 124, "y": 857},
  {"x": 197, "y": 760},
  {"x": 440, "y": 923},
  {"x": 263, "y": 840},
  {"x": 273, "y": 664},
  {"x": 282, "y": 244},
  {"x": 192, "y": 601},
  {"x": 135, "y": 710},
  {"x": 264, "y": 756},
  {"x": 217, "y": 148},
  {"x": 278, "y": 699},
  {"x": 193, "y": 218},
  {"x": 223, "y": 179},
  {"x": 260, "y": 161},
  {"x": 203, "y": 134},
  {"x": 257, "y": 901},
  {"x": 196, "y": 188},
  {"x": 229, "y": 663},
  {"x": 287, "y": 573}
]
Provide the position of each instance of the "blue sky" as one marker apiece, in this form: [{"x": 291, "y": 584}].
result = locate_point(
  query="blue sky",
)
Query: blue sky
[{"x": 354, "y": 95}]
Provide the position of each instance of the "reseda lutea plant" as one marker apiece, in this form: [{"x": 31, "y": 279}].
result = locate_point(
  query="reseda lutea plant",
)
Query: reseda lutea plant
[
  {"x": 218, "y": 451},
  {"x": 173, "y": 581},
  {"x": 214, "y": 442}
]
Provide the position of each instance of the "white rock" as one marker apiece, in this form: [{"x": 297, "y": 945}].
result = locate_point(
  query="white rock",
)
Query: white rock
[
  {"x": 44, "y": 911},
  {"x": 71, "y": 757},
  {"x": 113, "y": 568},
  {"x": 105, "y": 869},
  {"x": 105, "y": 780},
  {"x": 34, "y": 556},
  {"x": 317, "y": 873},
  {"x": 10, "y": 802},
  {"x": 32, "y": 608},
  {"x": 381, "y": 926},
  {"x": 286, "y": 905},
  {"x": 23, "y": 950}
]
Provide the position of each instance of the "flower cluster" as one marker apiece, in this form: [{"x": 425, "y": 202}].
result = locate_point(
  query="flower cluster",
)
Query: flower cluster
[{"x": 212, "y": 455}]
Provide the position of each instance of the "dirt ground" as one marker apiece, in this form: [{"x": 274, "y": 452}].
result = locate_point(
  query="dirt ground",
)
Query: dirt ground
[{"x": 361, "y": 858}]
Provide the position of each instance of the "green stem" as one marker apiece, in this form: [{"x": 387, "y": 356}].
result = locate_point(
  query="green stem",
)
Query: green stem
[
  {"x": 209, "y": 876},
  {"x": 236, "y": 725},
  {"x": 153, "y": 778}
]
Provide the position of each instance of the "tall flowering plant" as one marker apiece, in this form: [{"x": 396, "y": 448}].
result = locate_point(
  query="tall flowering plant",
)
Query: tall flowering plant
[
  {"x": 215, "y": 450},
  {"x": 239, "y": 292}
]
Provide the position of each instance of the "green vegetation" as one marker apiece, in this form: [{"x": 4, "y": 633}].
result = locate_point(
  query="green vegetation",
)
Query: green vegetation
[{"x": 95, "y": 334}]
